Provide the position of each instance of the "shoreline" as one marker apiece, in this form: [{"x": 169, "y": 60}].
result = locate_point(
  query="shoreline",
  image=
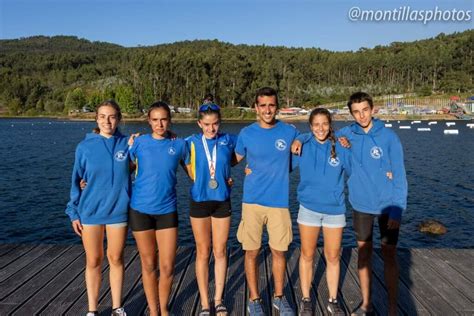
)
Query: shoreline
[{"x": 296, "y": 118}]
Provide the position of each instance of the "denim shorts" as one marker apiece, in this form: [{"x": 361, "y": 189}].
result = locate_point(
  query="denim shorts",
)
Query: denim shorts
[{"x": 316, "y": 219}]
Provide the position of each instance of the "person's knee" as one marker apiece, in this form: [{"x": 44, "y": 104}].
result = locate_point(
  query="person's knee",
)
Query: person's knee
[
  {"x": 307, "y": 255},
  {"x": 166, "y": 270},
  {"x": 389, "y": 253},
  {"x": 278, "y": 255},
  {"x": 332, "y": 257},
  {"x": 252, "y": 254},
  {"x": 94, "y": 262},
  {"x": 203, "y": 252},
  {"x": 220, "y": 253},
  {"x": 115, "y": 259},
  {"x": 148, "y": 264},
  {"x": 365, "y": 252}
]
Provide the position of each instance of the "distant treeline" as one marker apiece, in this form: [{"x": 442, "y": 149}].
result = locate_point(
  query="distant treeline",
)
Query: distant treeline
[{"x": 62, "y": 73}]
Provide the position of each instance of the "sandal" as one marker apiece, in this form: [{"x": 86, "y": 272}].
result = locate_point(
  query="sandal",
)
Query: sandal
[
  {"x": 221, "y": 310},
  {"x": 205, "y": 312}
]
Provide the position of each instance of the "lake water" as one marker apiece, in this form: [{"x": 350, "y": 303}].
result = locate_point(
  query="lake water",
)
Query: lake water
[{"x": 37, "y": 159}]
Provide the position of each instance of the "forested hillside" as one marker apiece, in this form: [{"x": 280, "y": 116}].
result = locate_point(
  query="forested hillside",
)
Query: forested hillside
[{"x": 57, "y": 74}]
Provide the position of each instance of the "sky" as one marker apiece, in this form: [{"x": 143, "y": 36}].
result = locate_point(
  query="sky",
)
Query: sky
[{"x": 333, "y": 25}]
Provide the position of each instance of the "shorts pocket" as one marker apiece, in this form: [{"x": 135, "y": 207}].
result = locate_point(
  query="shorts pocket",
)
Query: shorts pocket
[{"x": 241, "y": 232}]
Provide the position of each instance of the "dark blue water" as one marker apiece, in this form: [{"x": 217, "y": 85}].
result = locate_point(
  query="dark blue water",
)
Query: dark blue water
[{"x": 37, "y": 159}]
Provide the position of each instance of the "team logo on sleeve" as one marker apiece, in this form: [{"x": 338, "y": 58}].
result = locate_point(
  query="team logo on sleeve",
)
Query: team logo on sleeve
[
  {"x": 376, "y": 152},
  {"x": 280, "y": 144},
  {"x": 172, "y": 151},
  {"x": 120, "y": 155},
  {"x": 334, "y": 162}
]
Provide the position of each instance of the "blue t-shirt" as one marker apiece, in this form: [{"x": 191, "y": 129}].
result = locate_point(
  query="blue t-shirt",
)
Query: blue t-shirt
[
  {"x": 268, "y": 156},
  {"x": 321, "y": 187},
  {"x": 200, "y": 190},
  {"x": 157, "y": 160}
]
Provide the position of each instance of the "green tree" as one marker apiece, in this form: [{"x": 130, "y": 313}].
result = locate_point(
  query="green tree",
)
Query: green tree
[
  {"x": 75, "y": 99},
  {"x": 126, "y": 99},
  {"x": 14, "y": 106}
]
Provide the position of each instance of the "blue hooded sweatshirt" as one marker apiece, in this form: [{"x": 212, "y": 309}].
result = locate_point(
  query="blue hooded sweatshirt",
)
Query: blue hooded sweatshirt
[
  {"x": 321, "y": 187},
  {"x": 103, "y": 163},
  {"x": 373, "y": 154}
]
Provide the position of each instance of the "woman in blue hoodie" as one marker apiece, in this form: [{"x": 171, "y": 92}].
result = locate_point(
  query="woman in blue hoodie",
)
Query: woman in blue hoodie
[
  {"x": 322, "y": 164},
  {"x": 153, "y": 208},
  {"x": 102, "y": 161}
]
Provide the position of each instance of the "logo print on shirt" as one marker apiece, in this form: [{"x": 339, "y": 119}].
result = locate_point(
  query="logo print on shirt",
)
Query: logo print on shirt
[
  {"x": 280, "y": 144},
  {"x": 376, "y": 152},
  {"x": 223, "y": 143},
  {"x": 334, "y": 162},
  {"x": 172, "y": 151},
  {"x": 120, "y": 155}
]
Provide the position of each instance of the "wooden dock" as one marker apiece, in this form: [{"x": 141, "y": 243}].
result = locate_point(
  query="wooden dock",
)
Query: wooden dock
[{"x": 49, "y": 280}]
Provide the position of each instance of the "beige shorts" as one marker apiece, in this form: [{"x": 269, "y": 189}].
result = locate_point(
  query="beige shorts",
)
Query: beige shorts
[{"x": 254, "y": 217}]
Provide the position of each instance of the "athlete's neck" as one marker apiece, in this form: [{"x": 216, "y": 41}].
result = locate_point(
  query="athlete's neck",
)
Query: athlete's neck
[{"x": 266, "y": 125}]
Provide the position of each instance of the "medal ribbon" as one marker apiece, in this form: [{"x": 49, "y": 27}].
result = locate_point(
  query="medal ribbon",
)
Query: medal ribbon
[{"x": 211, "y": 161}]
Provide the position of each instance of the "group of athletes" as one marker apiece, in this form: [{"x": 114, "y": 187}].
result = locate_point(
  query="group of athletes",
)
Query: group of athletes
[{"x": 105, "y": 202}]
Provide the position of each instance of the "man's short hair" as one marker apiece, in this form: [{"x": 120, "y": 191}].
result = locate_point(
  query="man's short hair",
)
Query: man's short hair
[
  {"x": 266, "y": 92},
  {"x": 359, "y": 97}
]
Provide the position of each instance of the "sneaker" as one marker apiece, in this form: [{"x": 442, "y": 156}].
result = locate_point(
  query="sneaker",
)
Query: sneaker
[
  {"x": 306, "y": 308},
  {"x": 255, "y": 308},
  {"x": 334, "y": 308},
  {"x": 281, "y": 304},
  {"x": 359, "y": 311},
  {"x": 118, "y": 312},
  {"x": 95, "y": 313}
]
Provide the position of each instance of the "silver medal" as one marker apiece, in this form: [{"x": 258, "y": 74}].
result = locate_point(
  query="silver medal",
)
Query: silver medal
[{"x": 213, "y": 184}]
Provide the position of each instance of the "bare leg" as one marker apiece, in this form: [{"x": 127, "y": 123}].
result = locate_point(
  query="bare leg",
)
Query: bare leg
[
  {"x": 146, "y": 243},
  {"x": 202, "y": 236},
  {"x": 278, "y": 270},
  {"x": 251, "y": 272},
  {"x": 309, "y": 240},
  {"x": 220, "y": 234},
  {"x": 365, "y": 272},
  {"x": 332, "y": 253},
  {"x": 92, "y": 239},
  {"x": 391, "y": 272},
  {"x": 116, "y": 237},
  {"x": 167, "y": 241}
]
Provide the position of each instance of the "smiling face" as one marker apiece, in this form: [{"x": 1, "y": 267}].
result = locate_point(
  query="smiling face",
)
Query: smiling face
[
  {"x": 107, "y": 120},
  {"x": 209, "y": 123},
  {"x": 159, "y": 121},
  {"x": 266, "y": 108},
  {"x": 362, "y": 113},
  {"x": 320, "y": 126}
]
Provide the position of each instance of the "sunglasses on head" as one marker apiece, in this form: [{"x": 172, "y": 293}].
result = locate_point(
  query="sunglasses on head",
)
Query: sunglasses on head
[{"x": 209, "y": 106}]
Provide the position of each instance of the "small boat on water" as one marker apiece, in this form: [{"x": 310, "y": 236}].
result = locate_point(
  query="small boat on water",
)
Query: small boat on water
[
  {"x": 450, "y": 123},
  {"x": 416, "y": 122},
  {"x": 433, "y": 122},
  {"x": 388, "y": 125},
  {"x": 404, "y": 127},
  {"x": 451, "y": 132},
  {"x": 423, "y": 129},
  {"x": 470, "y": 125}
]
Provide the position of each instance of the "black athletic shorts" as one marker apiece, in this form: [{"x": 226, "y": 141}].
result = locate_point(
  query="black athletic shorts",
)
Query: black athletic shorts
[
  {"x": 140, "y": 221},
  {"x": 363, "y": 224},
  {"x": 217, "y": 209}
]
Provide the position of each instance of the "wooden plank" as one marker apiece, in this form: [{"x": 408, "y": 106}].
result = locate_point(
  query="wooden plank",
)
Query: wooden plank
[
  {"x": 15, "y": 266},
  {"x": 287, "y": 289},
  {"x": 27, "y": 272},
  {"x": 235, "y": 293},
  {"x": 80, "y": 305},
  {"x": 379, "y": 293},
  {"x": 6, "y": 248},
  {"x": 349, "y": 289},
  {"x": 425, "y": 289},
  {"x": 264, "y": 280},
  {"x": 460, "y": 259},
  {"x": 408, "y": 304},
  {"x": 187, "y": 296},
  {"x": 26, "y": 290},
  {"x": 130, "y": 278},
  {"x": 451, "y": 284},
  {"x": 56, "y": 284},
  {"x": 11, "y": 256}
]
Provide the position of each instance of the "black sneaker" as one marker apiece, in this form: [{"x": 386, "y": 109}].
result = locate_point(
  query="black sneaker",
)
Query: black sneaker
[
  {"x": 334, "y": 308},
  {"x": 306, "y": 308},
  {"x": 94, "y": 313}
]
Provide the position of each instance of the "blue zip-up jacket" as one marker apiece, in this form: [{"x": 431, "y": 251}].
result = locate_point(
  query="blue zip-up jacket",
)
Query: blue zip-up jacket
[
  {"x": 103, "y": 163},
  {"x": 321, "y": 187},
  {"x": 373, "y": 154}
]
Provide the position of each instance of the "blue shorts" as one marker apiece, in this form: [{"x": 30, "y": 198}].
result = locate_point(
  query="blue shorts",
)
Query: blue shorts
[{"x": 316, "y": 219}]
